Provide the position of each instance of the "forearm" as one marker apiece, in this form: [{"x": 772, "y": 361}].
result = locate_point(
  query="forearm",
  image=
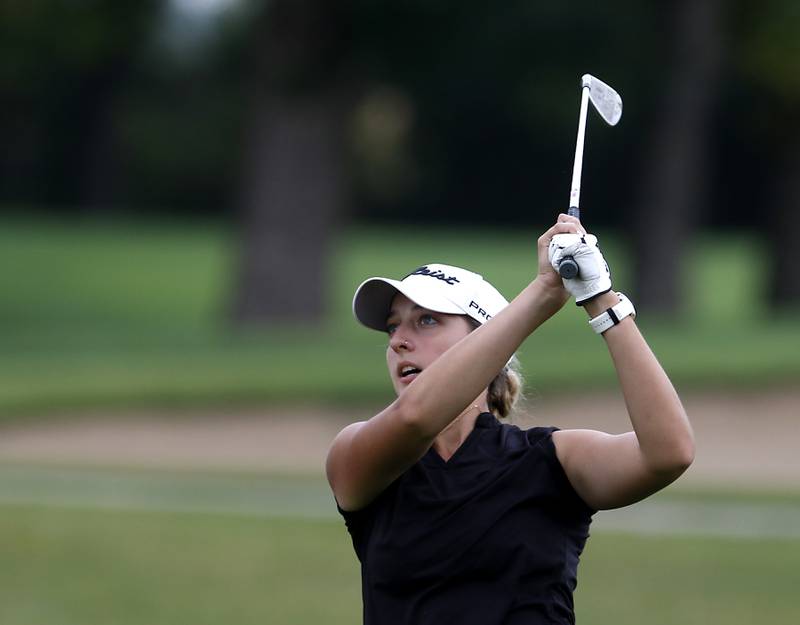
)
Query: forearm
[
  {"x": 443, "y": 390},
  {"x": 662, "y": 428}
]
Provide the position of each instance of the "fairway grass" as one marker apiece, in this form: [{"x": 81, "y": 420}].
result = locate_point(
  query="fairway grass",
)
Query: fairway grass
[
  {"x": 627, "y": 579},
  {"x": 89, "y": 567},
  {"x": 117, "y": 316},
  {"x": 98, "y": 567}
]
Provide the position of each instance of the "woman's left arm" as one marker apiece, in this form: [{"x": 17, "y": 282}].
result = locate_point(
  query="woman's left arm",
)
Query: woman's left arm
[{"x": 610, "y": 471}]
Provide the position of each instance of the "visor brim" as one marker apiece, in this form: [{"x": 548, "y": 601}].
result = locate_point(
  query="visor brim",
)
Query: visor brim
[{"x": 373, "y": 300}]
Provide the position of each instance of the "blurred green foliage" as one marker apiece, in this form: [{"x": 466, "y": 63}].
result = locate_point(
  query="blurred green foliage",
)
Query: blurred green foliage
[
  {"x": 119, "y": 315},
  {"x": 65, "y": 68},
  {"x": 143, "y": 107}
]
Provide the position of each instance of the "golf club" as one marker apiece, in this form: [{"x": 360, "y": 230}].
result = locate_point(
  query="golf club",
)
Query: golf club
[{"x": 608, "y": 104}]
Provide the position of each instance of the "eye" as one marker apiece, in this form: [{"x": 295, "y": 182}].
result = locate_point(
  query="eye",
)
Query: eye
[
  {"x": 390, "y": 328},
  {"x": 427, "y": 320}
]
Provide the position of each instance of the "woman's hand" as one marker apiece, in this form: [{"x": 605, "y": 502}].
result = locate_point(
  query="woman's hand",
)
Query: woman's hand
[
  {"x": 594, "y": 277},
  {"x": 547, "y": 276}
]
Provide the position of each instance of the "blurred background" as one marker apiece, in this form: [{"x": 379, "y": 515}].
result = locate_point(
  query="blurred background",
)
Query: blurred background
[{"x": 191, "y": 191}]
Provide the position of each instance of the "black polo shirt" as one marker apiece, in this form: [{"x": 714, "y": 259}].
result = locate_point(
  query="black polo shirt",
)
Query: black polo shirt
[{"x": 490, "y": 537}]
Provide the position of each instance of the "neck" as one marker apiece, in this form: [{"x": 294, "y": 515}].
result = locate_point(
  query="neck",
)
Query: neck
[{"x": 457, "y": 431}]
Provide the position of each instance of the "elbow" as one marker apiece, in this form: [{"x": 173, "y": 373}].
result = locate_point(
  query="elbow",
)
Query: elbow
[
  {"x": 670, "y": 455},
  {"x": 678, "y": 460},
  {"x": 685, "y": 448},
  {"x": 684, "y": 457},
  {"x": 679, "y": 448},
  {"x": 687, "y": 454},
  {"x": 689, "y": 449}
]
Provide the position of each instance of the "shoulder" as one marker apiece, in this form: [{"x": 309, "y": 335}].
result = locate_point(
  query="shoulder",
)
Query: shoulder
[
  {"x": 527, "y": 437},
  {"x": 543, "y": 439},
  {"x": 530, "y": 442},
  {"x": 343, "y": 438},
  {"x": 536, "y": 452},
  {"x": 570, "y": 443},
  {"x": 348, "y": 431},
  {"x": 537, "y": 435}
]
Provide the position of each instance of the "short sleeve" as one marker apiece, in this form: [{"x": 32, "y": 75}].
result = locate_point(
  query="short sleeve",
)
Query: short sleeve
[
  {"x": 542, "y": 437},
  {"x": 356, "y": 522},
  {"x": 537, "y": 435}
]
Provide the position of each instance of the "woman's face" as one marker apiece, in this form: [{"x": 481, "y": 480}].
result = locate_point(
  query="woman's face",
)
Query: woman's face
[{"x": 417, "y": 337}]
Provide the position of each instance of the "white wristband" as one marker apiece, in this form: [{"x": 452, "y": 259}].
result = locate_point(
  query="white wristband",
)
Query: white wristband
[{"x": 613, "y": 315}]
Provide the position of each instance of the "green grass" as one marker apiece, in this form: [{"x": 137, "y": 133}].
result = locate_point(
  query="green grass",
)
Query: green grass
[
  {"x": 703, "y": 581},
  {"x": 118, "y": 315},
  {"x": 98, "y": 567},
  {"x": 93, "y": 567}
]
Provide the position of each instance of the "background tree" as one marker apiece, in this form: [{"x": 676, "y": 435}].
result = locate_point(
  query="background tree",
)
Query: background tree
[
  {"x": 437, "y": 112},
  {"x": 676, "y": 163},
  {"x": 294, "y": 184},
  {"x": 767, "y": 60},
  {"x": 63, "y": 69}
]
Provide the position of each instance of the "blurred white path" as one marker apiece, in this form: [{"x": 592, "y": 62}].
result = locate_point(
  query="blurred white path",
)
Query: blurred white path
[{"x": 744, "y": 439}]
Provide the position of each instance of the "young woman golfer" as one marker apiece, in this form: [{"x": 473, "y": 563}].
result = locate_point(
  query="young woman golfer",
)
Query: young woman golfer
[{"x": 457, "y": 518}]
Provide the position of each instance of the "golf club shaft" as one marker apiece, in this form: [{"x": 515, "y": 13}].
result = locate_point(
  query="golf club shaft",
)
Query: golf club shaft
[
  {"x": 577, "y": 167},
  {"x": 568, "y": 268}
]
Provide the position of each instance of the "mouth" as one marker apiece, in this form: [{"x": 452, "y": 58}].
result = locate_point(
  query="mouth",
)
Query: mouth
[{"x": 408, "y": 372}]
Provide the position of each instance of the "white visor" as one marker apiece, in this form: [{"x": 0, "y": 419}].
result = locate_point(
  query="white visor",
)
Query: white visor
[{"x": 441, "y": 288}]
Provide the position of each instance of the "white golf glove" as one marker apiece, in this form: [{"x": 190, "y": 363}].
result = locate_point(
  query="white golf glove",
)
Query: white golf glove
[{"x": 593, "y": 277}]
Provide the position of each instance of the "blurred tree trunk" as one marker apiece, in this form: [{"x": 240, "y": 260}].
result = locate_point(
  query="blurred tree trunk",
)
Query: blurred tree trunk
[
  {"x": 294, "y": 183},
  {"x": 767, "y": 32},
  {"x": 674, "y": 184},
  {"x": 783, "y": 233},
  {"x": 96, "y": 159}
]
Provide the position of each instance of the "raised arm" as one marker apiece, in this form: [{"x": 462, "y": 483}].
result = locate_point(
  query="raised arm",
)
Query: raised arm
[
  {"x": 610, "y": 471},
  {"x": 367, "y": 456}
]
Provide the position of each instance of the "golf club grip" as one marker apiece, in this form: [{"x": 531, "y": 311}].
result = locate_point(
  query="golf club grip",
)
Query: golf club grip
[{"x": 568, "y": 268}]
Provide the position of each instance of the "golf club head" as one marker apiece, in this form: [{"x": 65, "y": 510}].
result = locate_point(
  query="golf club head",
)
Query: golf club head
[{"x": 607, "y": 101}]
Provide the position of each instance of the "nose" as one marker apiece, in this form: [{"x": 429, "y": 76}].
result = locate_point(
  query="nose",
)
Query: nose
[{"x": 399, "y": 343}]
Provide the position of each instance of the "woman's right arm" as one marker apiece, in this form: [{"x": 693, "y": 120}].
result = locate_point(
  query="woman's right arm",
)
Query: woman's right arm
[{"x": 368, "y": 456}]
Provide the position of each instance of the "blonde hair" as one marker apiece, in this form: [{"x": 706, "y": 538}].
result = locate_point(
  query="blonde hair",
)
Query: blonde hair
[{"x": 506, "y": 388}]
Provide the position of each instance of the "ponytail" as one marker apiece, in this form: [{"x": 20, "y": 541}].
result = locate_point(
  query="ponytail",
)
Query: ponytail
[{"x": 505, "y": 389}]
